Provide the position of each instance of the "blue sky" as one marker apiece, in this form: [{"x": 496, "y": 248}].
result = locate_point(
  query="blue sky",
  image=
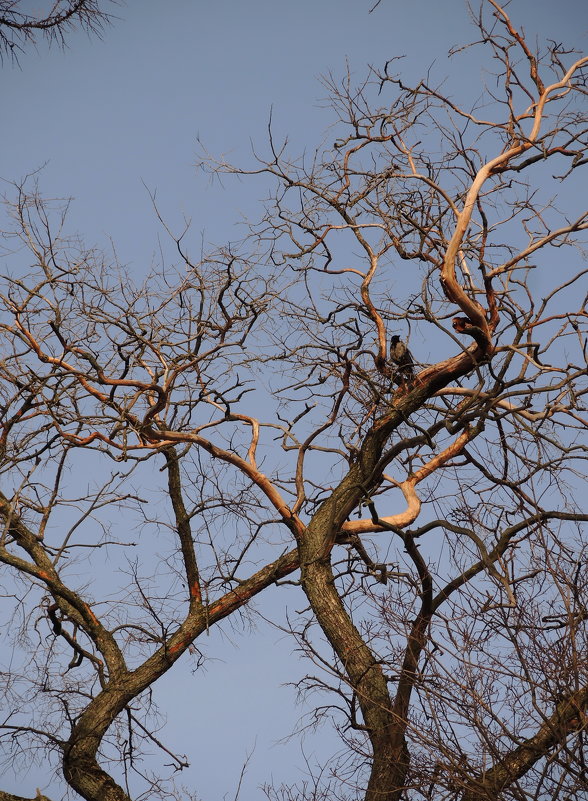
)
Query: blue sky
[
  {"x": 105, "y": 119},
  {"x": 106, "y": 115}
]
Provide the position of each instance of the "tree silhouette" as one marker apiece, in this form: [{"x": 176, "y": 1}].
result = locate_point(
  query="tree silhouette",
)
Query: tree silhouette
[
  {"x": 21, "y": 25},
  {"x": 240, "y": 410}
]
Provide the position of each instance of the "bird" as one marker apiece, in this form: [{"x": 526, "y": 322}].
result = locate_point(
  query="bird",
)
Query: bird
[{"x": 402, "y": 358}]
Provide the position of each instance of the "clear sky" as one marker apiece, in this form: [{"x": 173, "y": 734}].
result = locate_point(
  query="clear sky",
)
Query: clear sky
[{"x": 107, "y": 118}]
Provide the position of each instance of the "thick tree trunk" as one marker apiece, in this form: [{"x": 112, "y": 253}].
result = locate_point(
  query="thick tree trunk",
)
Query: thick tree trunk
[
  {"x": 365, "y": 674},
  {"x": 88, "y": 779},
  {"x": 80, "y": 767},
  {"x": 385, "y": 722},
  {"x": 386, "y": 731}
]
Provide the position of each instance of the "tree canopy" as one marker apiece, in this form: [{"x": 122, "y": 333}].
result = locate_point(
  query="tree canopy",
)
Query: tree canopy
[{"x": 377, "y": 397}]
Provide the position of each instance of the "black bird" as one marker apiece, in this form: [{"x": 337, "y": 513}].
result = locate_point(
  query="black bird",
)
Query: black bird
[{"x": 402, "y": 358}]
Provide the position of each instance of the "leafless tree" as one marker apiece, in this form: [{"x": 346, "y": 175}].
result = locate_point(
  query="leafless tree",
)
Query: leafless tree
[
  {"x": 21, "y": 25},
  {"x": 243, "y": 412}
]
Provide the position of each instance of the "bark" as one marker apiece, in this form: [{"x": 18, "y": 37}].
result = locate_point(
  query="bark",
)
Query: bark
[
  {"x": 385, "y": 720},
  {"x": 571, "y": 715},
  {"x": 10, "y": 797}
]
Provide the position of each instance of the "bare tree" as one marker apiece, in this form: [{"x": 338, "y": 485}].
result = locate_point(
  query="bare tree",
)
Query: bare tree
[
  {"x": 425, "y": 499},
  {"x": 20, "y": 25}
]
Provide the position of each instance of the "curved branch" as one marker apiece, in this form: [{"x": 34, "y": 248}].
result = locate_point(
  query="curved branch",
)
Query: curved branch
[{"x": 569, "y": 716}]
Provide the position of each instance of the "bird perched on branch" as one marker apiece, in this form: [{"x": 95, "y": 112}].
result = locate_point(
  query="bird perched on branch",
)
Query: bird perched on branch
[{"x": 402, "y": 358}]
